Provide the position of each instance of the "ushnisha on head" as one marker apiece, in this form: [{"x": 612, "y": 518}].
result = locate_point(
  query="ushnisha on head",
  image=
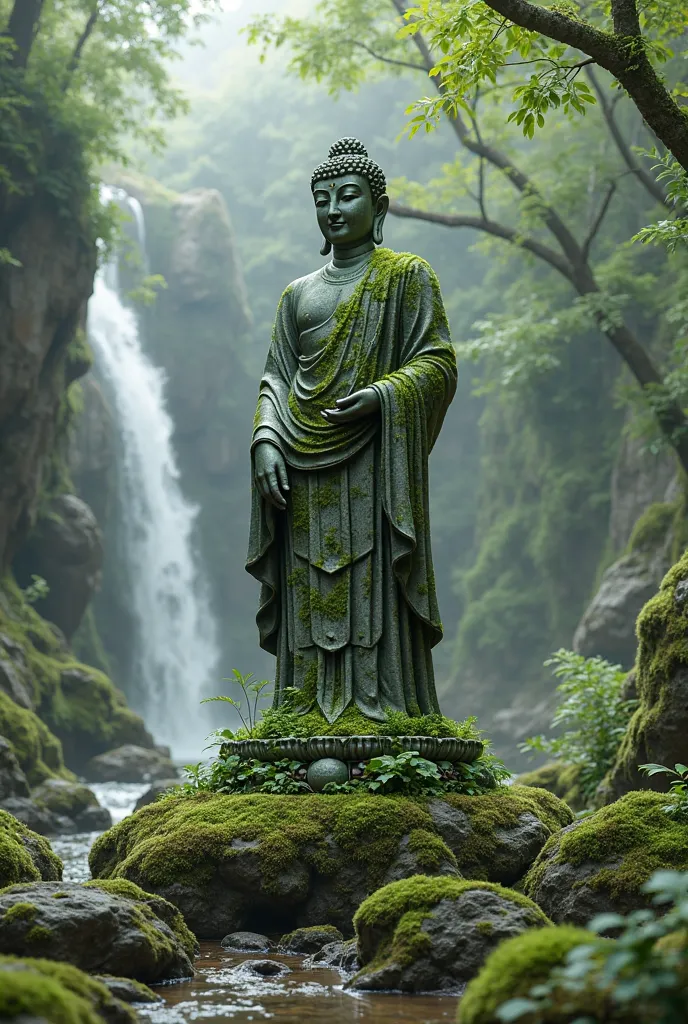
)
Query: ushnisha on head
[{"x": 351, "y": 203}]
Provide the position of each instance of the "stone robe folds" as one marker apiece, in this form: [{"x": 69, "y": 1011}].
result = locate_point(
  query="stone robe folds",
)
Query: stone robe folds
[{"x": 348, "y": 601}]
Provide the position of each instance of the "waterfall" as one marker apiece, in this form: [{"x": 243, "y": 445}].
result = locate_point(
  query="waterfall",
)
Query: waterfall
[{"x": 175, "y": 656}]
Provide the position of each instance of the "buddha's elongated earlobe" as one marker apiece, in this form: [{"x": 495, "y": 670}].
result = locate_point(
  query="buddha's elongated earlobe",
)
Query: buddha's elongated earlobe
[
  {"x": 326, "y": 248},
  {"x": 379, "y": 218}
]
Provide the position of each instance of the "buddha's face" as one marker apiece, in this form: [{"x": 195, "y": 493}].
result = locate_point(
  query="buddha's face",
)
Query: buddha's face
[{"x": 345, "y": 210}]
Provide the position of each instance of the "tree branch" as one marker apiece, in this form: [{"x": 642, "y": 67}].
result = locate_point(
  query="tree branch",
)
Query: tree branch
[
  {"x": 597, "y": 223},
  {"x": 21, "y": 28},
  {"x": 490, "y": 227},
  {"x": 81, "y": 42},
  {"x": 386, "y": 60},
  {"x": 622, "y": 54},
  {"x": 651, "y": 184}
]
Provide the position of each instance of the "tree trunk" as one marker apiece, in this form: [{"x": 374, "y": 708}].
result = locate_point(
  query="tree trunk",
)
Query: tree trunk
[{"x": 22, "y": 28}]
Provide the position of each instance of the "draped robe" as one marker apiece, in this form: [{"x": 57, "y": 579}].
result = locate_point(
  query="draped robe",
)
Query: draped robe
[{"x": 347, "y": 600}]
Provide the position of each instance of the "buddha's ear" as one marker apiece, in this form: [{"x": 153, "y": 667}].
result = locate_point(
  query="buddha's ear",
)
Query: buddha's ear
[
  {"x": 326, "y": 248},
  {"x": 381, "y": 209}
]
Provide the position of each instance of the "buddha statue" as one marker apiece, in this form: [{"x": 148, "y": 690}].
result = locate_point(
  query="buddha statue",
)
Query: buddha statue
[{"x": 357, "y": 382}]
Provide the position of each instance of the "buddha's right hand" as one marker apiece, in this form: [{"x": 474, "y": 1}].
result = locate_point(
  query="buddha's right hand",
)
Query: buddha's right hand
[{"x": 270, "y": 473}]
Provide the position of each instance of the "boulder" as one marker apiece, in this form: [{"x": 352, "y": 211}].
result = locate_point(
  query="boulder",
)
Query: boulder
[
  {"x": 117, "y": 929},
  {"x": 658, "y": 729},
  {"x": 600, "y": 863},
  {"x": 515, "y": 967},
  {"x": 155, "y": 791},
  {"x": 496, "y": 837},
  {"x": 33, "y": 991},
  {"x": 73, "y": 802},
  {"x": 309, "y": 940},
  {"x": 337, "y": 956},
  {"x": 432, "y": 934},
  {"x": 247, "y": 942},
  {"x": 24, "y": 855},
  {"x": 65, "y": 548},
  {"x": 127, "y": 990},
  {"x": 130, "y": 764},
  {"x": 232, "y": 862}
]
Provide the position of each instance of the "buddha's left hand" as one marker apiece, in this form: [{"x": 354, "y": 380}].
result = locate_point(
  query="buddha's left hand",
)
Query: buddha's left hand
[{"x": 354, "y": 407}]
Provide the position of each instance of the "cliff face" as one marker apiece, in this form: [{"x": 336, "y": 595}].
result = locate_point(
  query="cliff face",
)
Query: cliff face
[
  {"x": 41, "y": 303},
  {"x": 54, "y": 711}
]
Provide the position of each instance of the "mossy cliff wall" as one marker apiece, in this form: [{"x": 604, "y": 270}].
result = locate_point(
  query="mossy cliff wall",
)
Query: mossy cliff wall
[{"x": 52, "y": 708}]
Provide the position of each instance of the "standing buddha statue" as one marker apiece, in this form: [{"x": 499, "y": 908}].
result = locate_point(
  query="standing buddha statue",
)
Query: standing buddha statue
[{"x": 357, "y": 382}]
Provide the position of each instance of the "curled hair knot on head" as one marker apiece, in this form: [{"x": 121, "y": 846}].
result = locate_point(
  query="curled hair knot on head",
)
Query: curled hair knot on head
[{"x": 349, "y": 156}]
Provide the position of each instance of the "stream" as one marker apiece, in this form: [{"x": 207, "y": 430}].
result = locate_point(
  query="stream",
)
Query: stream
[{"x": 222, "y": 991}]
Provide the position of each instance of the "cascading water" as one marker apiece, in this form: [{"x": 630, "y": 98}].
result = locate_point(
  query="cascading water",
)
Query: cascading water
[{"x": 175, "y": 654}]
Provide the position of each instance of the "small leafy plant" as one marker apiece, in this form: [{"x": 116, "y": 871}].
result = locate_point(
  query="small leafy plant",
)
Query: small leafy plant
[
  {"x": 253, "y": 691},
  {"x": 678, "y": 807},
  {"x": 233, "y": 775},
  {"x": 412, "y": 774},
  {"x": 37, "y": 590},
  {"x": 642, "y": 971},
  {"x": 593, "y": 714}
]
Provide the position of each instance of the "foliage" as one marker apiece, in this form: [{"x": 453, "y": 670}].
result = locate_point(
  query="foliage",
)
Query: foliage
[
  {"x": 233, "y": 775},
  {"x": 678, "y": 808},
  {"x": 406, "y": 773},
  {"x": 36, "y": 590},
  {"x": 671, "y": 233},
  {"x": 96, "y": 77},
  {"x": 642, "y": 972},
  {"x": 477, "y": 45},
  {"x": 252, "y": 691},
  {"x": 592, "y": 712}
]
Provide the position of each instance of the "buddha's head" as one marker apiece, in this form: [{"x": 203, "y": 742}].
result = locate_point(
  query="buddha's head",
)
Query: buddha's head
[{"x": 350, "y": 198}]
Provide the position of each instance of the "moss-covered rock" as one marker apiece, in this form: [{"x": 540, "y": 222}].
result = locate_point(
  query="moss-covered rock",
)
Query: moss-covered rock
[
  {"x": 512, "y": 970},
  {"x": 600, "y": 863},
  {"x": 263, "y": 861},
  {"x": 309, "y": 940},
  {"x": 497, "y": 836},
  {"x": 24, "y": 855},
  {"x": 657, "y": 732},
  {"x": 74, "y": 805},
  {"x": 58, "y": 993},
  {"x": 423, "y": 934},
  {"x": 115, "y": 930},
  {"x": 560, "y": 779},
  {"x": 77, "y": 712}
]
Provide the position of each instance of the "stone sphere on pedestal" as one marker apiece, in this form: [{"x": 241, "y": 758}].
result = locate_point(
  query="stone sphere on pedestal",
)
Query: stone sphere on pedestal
[{"x": 327, "y": 769}]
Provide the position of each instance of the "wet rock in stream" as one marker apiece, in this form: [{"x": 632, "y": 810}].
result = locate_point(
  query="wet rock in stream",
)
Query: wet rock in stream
[{"x": 247, "y": 942}]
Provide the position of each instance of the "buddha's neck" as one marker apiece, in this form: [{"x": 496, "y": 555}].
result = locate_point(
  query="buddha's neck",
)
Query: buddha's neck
[{"x": 349, "y": 258}]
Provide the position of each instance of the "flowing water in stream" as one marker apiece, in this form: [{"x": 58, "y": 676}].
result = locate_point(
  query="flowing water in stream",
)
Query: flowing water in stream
[{"x": 222, "y": 991}]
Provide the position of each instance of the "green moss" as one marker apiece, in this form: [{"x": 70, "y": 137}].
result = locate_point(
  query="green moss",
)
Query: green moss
[
  {"x": 389, "y": 924},
  {"x": 69, "y": 799},
  {"x": 662, "y": 630},
  {"x": 560, "y": 779},
  {"x": 430, "y": 851},
  {"x": 15, "y": 863},
  {"x": 39, "y": 933},
  {"x": 20, "y": 912},
  {"x": 651, "y": 529},
  {"x": 82, "y": 713},
  {"x": 151, "y": 906},
  {"x": 635, "y": 832},
  {"x": 513, "y": 968},
  {"x": 284, "y": 721},
  {"x": 56, "y": 992},
  {"x": 188, "y": 839},
  {"x": 498, "y": 810},
  {"x": 485, "y": 928}
]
